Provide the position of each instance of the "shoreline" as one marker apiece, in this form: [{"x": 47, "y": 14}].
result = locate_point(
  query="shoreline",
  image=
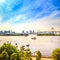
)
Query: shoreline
[
  {"x": 28, "y": 35},
  {"x": 43, "y": 58}
]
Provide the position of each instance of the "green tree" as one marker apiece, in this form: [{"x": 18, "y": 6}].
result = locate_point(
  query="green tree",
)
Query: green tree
[
  {"x": 0, "y": 57},
  {"x": 56, "y": 54},
  {"x": 4, "y": 55},
  {"x": 21, "y": 53},
  {"x": 27, "y": 54},
  {"x": 10, "y": 49},
  {"x": 38, "y": 55},
  {"x": 13, "y": 56}
]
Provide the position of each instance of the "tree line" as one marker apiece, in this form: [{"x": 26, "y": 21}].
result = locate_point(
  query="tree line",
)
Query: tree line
[{"x": 11, "y": 52}]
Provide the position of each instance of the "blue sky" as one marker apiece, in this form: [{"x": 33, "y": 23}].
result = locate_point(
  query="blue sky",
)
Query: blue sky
[{"x": 16, "y": 13}]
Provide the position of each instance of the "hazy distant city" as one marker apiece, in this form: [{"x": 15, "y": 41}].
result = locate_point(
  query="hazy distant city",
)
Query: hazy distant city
[{"x": 10, "y": 32}]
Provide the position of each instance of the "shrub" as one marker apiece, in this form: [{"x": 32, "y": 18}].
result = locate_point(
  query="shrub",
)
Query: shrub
[
  {"x": 27, "y": 54},
  {"x": 10, "y": 49},
  {"x": 21, "y": 52},
  {"x": 4, "y": 55},
  {"x": 38, "y": 55},
  {"x": 13, "y": 56},
  {"x": 56, "y": 54}
]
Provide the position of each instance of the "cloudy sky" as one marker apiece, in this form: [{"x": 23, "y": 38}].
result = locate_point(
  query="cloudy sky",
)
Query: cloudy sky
[{"x": 20, "y": 15}]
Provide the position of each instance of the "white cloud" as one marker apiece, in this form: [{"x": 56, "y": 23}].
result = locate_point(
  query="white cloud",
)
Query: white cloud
[
  {"x": 0, "y": 19},
  {"x": 40, "y": 24},
  {"x": 5, "y": 26},
  {"x": 16, "y": 18}
]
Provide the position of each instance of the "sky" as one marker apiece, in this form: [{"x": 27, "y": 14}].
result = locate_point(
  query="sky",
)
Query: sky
[{"x": 18, "y": 15}]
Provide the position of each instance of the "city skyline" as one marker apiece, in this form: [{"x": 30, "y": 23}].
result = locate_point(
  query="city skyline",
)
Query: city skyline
[{"x": 18, "y": 15}]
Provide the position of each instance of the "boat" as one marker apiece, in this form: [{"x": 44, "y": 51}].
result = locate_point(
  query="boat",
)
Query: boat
[
  {"x": 34, "y": 38},
  {"x": 27, "y": 45}
]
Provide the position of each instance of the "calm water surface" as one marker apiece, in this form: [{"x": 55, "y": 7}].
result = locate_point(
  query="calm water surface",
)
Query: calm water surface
[{"x": 45, "y": 44}]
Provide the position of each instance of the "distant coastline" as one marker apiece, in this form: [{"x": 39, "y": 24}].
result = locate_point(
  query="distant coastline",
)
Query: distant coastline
[
  {"x": 48, "y": 34},
  {"x": 13, "y": 34},
  {"x": 31, "y": 32}
]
